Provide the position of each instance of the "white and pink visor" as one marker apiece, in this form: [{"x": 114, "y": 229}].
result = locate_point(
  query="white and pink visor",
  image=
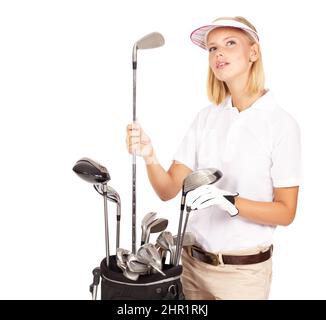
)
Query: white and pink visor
[{"x": 199, "y": 36}]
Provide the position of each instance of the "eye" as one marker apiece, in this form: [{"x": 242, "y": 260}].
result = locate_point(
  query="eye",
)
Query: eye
[
  {"x": 230, "y": 43},
  {"x": 211, "y": 49}
]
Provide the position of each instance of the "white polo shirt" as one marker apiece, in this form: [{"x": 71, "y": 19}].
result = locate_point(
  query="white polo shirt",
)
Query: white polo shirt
[{"x": 257, "y": 150}]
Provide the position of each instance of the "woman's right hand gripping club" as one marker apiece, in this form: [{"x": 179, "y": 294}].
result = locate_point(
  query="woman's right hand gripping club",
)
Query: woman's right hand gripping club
[{"x": 137, "y": 140}]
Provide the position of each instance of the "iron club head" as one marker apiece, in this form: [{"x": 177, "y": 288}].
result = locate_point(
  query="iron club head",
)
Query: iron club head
[
  {"x": 150, "y": 41},
  {"x": 112, "y": 194},
  {"x": 146, "y": 221},
  {"x": 156, "y": 226}
]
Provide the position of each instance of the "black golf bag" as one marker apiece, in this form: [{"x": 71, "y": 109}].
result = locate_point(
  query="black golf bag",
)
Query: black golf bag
[{"x": 115, "y": 286}]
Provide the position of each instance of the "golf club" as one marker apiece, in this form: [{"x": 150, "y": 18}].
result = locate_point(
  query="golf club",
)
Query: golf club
[
  {"x": 92, "y": 172},
  {"x": 146, "y": 221},
  {"x": 165, "y": 241},
  {"x": 191, "y": 182},
  {"x": 148, "y": 254},
  {"x": 113, "y": 196},
  {"x": 157, "y": 225},
  {"x": 130, "y": 275},
  {"x": 121, "y": 258},
  {"x": 152, "y": 40},
  {"x": 134, "y": 265}
]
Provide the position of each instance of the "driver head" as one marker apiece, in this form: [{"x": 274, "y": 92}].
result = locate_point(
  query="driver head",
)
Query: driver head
[
  {"x": 199, "y": 178},
  {"x": 91, "y": 171}
]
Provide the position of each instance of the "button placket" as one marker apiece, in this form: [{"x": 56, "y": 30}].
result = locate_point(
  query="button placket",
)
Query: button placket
[{"x": 229, "y": 147}]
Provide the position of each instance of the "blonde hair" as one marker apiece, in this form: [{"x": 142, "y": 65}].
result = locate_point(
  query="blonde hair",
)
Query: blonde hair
[{"x": 217, "y": 90}]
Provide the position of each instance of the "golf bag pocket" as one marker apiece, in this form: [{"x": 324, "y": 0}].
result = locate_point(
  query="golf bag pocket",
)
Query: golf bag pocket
[{"x": 115, "y": 286}]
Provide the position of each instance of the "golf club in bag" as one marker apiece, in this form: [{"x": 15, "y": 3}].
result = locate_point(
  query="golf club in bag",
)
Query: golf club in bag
[
  {"x": 92, "y": 172},
  {"x": 150, "y": 41},
  {"x": 112, "y": 196},
  {"x": 191, "y": 182}
]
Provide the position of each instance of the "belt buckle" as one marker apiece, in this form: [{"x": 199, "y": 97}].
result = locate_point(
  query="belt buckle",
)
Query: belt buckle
[{"x": 214, "y": 258}]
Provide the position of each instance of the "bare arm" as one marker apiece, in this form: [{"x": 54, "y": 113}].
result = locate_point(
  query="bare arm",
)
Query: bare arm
[
  {"x": 279, "y": 212},
  {"x": 167, "y": 184}
]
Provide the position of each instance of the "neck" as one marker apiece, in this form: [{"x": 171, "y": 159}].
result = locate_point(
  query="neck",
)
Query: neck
[{"x": 242, "y": 99}]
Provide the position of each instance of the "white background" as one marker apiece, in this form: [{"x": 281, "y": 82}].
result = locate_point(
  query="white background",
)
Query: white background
[{"x": 66, "y": 93}]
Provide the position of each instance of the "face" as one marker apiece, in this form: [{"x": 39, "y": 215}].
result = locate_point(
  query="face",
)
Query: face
[{"x": 230, "y": 54}]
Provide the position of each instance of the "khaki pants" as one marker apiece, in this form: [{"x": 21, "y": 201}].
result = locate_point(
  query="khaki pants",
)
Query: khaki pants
[{"x": 202, "y": 281}]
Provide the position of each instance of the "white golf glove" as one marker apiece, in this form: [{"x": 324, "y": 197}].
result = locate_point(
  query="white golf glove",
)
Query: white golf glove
[{"x": 209, "y": 195}]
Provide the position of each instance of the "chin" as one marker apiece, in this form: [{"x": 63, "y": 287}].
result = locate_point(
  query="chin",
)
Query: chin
[
  {"x": 226, "y": 76},
  {"x": 223, "y": 78}
]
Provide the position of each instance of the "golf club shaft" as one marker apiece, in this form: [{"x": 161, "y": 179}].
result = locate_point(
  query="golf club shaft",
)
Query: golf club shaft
[
  {"x": 182, "y": 238},
  {"x": 118, "y": 226},
  {"x": 157, "y": 269},
  {"x": 134, "y": 166},
  {"x": 106, "y": 221},
  {"x": 183, "y": 199}
]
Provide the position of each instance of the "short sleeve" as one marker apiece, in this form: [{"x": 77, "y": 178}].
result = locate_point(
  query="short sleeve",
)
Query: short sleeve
[
  {"x": 286, "y": 154},
  {"x": 187, "y": 151}
]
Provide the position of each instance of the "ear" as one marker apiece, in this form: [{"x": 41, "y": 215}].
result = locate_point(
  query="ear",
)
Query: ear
[{"x": 254, "y": 52}]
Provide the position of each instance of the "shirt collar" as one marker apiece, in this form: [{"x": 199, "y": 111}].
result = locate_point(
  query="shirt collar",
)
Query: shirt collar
[{"x": 266, "y": 99}]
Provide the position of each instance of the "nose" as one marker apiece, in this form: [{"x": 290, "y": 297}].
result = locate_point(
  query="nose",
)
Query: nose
[{"x": 219, "y": 53}]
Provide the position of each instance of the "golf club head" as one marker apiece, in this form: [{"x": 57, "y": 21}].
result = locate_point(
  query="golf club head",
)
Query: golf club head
[
  {"x": 150, "y": 41},
  {"x": 148, "y": 254},
  {"x": 149, "y": 218},
  {"x": 134, "y": 265},
  {"x": 146, "y": 221},
  {"x": 163, "y": 242},
  {"x": 199, "y": 178},
  {"x": 191, "y": 182},
  {"x": 121, "y": 256},
  {"x": 164, "y": 238},
  {"x": 130, "y": 275},
  {"x": 112, "y": 194},
  {"x": 156, "y": 226},
  {"x": 91, "y": 171}
]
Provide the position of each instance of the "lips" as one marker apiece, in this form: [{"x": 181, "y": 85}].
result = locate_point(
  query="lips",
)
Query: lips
[{"x": 221, "y": 65}]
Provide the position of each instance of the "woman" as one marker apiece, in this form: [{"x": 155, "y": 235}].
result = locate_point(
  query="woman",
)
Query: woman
[{"x": 256, "y": 145}]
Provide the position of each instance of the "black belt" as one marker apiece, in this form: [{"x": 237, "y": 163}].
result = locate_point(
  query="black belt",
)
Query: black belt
[{"x": 213, "y": 259}]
